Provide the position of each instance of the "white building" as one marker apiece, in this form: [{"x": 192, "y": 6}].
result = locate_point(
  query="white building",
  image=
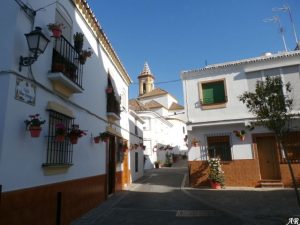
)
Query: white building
[
  {"x": 36, "y": 172},
  {"x": 214, "y": 111},
  {"x": 163, "y": 116},
  {"x": 136, "y": 150}
]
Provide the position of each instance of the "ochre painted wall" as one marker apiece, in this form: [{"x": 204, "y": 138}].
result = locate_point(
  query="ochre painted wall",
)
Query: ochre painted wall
[{"x": 36, "y": 206}]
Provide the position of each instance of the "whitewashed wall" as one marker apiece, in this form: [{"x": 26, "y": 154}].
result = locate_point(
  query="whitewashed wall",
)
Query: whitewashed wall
[
  {"x": 22, "y": 156},
  {"x": 239, "y": 78}
]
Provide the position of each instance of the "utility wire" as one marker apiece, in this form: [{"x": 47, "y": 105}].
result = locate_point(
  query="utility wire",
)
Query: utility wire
[{"x": 162, "y": 82}]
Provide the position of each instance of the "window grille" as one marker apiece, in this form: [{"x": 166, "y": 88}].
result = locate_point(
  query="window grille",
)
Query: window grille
[
  {"x": 219, "y": 145},
  {"x": 58, "y": 153}
]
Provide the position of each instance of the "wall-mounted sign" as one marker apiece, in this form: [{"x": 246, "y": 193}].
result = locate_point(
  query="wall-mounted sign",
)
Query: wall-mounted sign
[{"x": 25, "y": 91}]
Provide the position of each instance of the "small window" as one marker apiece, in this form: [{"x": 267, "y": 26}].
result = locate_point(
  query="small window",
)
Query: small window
[
  {"x": 59, "y": 152},
  {"x": 144, "y": 88},
  {"x": 219, "y": 147},
  {"x": 136, "y": 130},
  {"x": 213, "y": 93},
  {"x": 183, "y": 130}
]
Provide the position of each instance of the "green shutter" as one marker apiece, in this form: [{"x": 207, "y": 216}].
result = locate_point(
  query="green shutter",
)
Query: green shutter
[{"x": 213, "y": 92}]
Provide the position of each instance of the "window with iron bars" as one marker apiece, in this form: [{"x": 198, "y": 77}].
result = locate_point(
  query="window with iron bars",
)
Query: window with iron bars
[
  {"x": 219, "y": 147},
  {"x": 59, "y": 153}
]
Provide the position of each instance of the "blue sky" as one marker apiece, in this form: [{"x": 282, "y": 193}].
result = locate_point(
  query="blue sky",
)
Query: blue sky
[{"x": 177, "y": 35}]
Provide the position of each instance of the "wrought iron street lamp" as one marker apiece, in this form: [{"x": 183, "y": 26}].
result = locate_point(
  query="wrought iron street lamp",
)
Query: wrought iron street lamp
[{"x": 37, "y": 43}]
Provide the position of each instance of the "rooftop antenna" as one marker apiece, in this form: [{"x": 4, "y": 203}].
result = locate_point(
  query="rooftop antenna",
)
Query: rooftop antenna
[
  {"x": 275, "y": 19},
  {"x": 286, "y": 8}
]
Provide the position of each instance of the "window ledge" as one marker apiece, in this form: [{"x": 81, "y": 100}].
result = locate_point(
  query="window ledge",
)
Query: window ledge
[
  {"x": 214, "y": 106},
  {"x": 112, "y": 117},
  {"x": 54, "y": 169},
  {"x": 64, "y": 85}
]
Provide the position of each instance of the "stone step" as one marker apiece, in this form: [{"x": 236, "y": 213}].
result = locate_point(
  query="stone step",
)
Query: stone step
[{"x": 271, "y": 184}]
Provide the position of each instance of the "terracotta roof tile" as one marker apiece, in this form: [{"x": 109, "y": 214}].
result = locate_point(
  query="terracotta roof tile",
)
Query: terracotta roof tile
[
  {"x": 153, "y": 104},
  {"x": 154, "y": 92},
  {"x": 136, "y": 105},
  {"x": 176, "y": 106}
]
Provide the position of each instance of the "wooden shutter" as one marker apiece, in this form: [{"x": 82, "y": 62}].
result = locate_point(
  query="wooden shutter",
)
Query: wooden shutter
[{"x": 213, "y": 92}]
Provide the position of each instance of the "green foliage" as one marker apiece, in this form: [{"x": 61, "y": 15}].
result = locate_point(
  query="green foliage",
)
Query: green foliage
[
  {"x": 216, "y": 174},
  {"x": 270, "y": 103},
  {"x": 78, "y": 36},
  {"x": 35, "y": 121}
]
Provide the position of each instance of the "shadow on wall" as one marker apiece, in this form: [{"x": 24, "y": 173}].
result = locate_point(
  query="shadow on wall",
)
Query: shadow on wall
[{"x": 198, "y": 173}]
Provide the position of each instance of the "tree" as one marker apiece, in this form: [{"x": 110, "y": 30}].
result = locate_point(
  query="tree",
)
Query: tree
[{"x": 272, "y": 105}]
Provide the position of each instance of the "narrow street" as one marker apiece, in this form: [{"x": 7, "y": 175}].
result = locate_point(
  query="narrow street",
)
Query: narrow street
[{"x": 157, "y": 198}]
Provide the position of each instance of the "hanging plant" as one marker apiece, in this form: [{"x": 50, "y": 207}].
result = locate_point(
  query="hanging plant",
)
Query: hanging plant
[
  {"x": 60, "y": 132},
  {"x": 240, "y": 134},
  {"x": 34, "y": 125},
  {"x": 75, "y": 133},
  {"x": 84, "y": 55},
  {"x": 104, "y": 136}
]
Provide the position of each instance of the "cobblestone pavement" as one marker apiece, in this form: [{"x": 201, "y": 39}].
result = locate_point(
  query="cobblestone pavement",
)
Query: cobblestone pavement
[{"x": 158, "y": 198}]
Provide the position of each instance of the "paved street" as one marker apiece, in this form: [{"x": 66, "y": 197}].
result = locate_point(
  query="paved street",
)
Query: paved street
[{"x": 157, "y": 199}]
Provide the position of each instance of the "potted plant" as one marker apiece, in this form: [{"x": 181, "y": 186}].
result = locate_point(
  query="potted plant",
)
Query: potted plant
[
  {"x": 56, "y": 29},
  {"x": 241, "y": 134},
  {"x": 78, "y": 41},
  {"x": 195, "y": 142},
  {"x": 60, "y": 132},
  {"x": 104, "y": 136},
  {"x": 125, "y": 147},
  {"x": 84, "y": 54},
  {"x": 109, "y": 90},
  {"x": 75, "y": 133},
  {"x": 97, "y": 139},
  {"x": 216, "y": 174},
  {"x": 34, "y": 125},
  {"x": 156, "y": 164}
]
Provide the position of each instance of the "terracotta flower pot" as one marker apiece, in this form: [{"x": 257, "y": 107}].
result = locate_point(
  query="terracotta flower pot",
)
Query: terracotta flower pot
[
  {"x": 59, "y": 138},
  {"x": 242, "y": 138},
  {"x": 35, "y": 131},
  {"x": 56, "y": 32},
  {"x": 109, "y": 90},
  {"x": 96, "y": 140},
  {"x": 74, "y": 140},
  {"x": 214, "y": 185}
]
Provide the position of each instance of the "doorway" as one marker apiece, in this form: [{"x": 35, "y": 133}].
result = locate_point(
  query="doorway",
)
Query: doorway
[{"x": 268, "y": 158}]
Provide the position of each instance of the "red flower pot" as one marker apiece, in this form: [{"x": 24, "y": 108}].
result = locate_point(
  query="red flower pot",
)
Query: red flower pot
[
  {"x": 59, "y": 138},
  {"x": 242, "y": 138},
  {"x": 109, "y": 90},
  {"x": 35, "y": 131},
  {"x": 56, "y": 32},
  {"x": 96, "y": 140},
  {"x": 74, "y": 140},
  {"x": 214, "y": 185}
]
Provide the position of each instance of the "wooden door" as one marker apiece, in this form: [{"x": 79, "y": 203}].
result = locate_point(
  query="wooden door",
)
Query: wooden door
[
  {"x": 268, "y": 160},
  {"x": 111, "y": 166}
]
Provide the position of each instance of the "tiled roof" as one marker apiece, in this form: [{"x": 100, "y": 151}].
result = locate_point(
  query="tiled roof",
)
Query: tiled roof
[
  {"x": 136, "y": 105},
  {"x": 176, "y": 106},
  {"x": 154, "y": 92},
  {"x": 90, "y": 18},
  {"x": 247, "y": 61},
  {"x": 153, "y": 104}
]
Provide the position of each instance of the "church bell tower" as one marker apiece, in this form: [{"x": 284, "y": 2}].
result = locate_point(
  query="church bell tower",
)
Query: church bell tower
[{"x": 146, "y": 80}]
